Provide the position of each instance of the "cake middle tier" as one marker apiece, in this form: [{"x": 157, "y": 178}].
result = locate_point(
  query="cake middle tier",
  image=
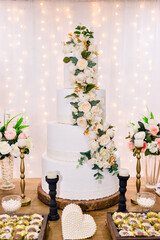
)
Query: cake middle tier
[
  {"x": 65, "y": 140},
  {"x": 64, "y": 113}
]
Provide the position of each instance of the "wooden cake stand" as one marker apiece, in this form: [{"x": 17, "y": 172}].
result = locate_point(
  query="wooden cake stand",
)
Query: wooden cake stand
[{"x": 85, "y": 205}]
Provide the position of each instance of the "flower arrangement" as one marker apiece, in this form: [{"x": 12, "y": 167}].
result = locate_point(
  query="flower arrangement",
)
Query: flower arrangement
[
  {"x": 12, "y": 136},
  {"x": 86, "y": 105},
  {"x": 148, "y": 130}
]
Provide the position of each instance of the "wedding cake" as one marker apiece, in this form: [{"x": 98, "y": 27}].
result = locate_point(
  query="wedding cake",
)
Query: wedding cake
[{"x": 80, "y": 144}]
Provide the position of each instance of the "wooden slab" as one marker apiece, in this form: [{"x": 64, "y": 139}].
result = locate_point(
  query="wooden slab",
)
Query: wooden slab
[
  {"x": 114, "y": 232},
  {"x": 85, "y": 205}
]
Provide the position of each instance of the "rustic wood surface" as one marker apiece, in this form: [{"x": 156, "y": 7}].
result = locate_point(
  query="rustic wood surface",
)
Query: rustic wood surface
[
  {"x": 54, "y": 228},
  {"x": 90, "y": 205}
]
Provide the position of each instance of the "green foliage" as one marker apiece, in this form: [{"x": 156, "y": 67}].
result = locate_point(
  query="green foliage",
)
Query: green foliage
[
  {"x": 100, "y": 132},
  {"x": 113, "y": 168},
  {"x": 132, "y": 124},
  {"x": 70, "y": 42},
  {"x": 98, "y": 176},
  {"x": 89, "y": 87},
  {"x": 147, "y": 152},
  {"x": 72, "y": 95},
  {"x": 91, "y": 64},
  {"x": 75, "y": 116},
  {"x": 149, "y": 139},
  {"x": 96, "y": 167},
  {"x": 77, "y": 72},
  {"x": 80, "y": 28},
  {"x": 66, "y": 60},
  {"x": 26, "y": 151},
  {"x": 19, "y": 122},
  {"x": 151, "y": 114},
  {"x": 141, "y": 126},
  {"x": 74, "y": 104},
  {"x": 145, "y": 119},
  {"x": 89, "y": 123},
  {"x": 94, "y": 102},
  {"x": 74, "y": 60},
  {"x": 81, "y": 160},
  {"x": 10, "y": 120},
  {"x": 99, "y": 149},
  {"x": 85, "y": 54},
  {"x": 24, "y": 126},
  {"x": 86, "y": 154},
  {"x": 77, "y": 32}
]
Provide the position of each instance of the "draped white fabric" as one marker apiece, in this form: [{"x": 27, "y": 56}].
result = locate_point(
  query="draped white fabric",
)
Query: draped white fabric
[{"x": 31, "y": 67}]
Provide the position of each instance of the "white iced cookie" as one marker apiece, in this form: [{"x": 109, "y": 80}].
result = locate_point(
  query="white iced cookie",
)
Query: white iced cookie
[{"x": 75, "y": 224}]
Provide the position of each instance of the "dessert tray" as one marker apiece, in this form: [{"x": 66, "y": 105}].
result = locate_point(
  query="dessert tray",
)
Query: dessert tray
[
  {"x": 23, "y": 227},
  {"x": 134, "y": 225}
]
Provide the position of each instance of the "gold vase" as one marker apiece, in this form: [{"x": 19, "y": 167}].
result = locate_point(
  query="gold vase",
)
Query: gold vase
[
  {"x": 7, "y": 173},
  {"x": 151, "y": 169}
]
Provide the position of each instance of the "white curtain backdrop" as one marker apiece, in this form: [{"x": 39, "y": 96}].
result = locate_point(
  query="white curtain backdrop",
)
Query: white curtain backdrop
[{"x": 31, "y": 67}]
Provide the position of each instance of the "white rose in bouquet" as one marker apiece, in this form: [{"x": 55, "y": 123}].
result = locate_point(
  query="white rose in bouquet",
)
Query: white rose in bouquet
[
  {"x": 104, "y": 153},
  {"x": 88, "y": 115},
  {"x": 81, "y": 121},
  {"x": 72, "y": 79},
  {"x": 92, "y": 161},
  {"x": 106, "y": 164},
  {"x": 110, "y": 132},
  {"x": 140, "y": 135},
  {"x": 82, "y": 64},
  {"x": 15, "y": 150},
  {"x": 94, "y": 145},
  {"x": 104, "y": 140},
  {"x": 91, "y": 95},
  {"x": 89, "y": 80},
  {"x": 153, "y": 147},
  {"x": 81, "y": 78},
  {"x": 5, "y": 148},
  {"x": 92, "y": 135},
  {"x": 95, "y": 109},
  {"x": 84, "y": 106}
]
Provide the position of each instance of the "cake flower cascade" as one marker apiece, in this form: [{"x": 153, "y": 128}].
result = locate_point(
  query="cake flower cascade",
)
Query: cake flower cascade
[{"x": 81, "y": 55}]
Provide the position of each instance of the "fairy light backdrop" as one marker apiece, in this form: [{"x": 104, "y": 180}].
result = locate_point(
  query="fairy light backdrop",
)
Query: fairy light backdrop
[{"x": 31, "y": 68}]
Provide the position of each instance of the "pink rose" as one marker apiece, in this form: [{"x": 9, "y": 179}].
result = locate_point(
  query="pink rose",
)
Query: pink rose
[
  {"x": 144, "y": 147},
  {"x": 10, "y": 133},
  {"x": 154, "y": 130},
  {"x": 131, "y": 146},
  {"x": 11, "y": 125},
  {"x": 158, "y": 142},
  {"x": 22, "y": 135}
]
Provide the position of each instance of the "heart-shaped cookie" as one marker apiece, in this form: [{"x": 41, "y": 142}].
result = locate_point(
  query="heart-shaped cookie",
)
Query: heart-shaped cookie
[{"x": 75, "y": 224}]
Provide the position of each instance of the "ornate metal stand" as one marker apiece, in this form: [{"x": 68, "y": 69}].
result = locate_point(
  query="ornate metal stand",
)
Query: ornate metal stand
[
  {"x": 138, "y": 176},
  {"x": 122, "y": 189},
  {"x": 25, "y": 200},
  {"x": 53, "y": 214}
]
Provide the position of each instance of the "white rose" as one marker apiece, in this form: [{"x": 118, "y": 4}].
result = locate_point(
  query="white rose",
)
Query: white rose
[
  {"x": 84, "y": 106},
  {"x": 80, "y": 78},
  {"x": 72, "y": 79},
  {"x": 82, "y": 64},
  {"x": 140, "y": 135},
  {"x": 0, "y": 135},
  {"x": 88, "y": 72},
  {"x": 5, "y": 148},
  {"x": 104, "y": 140},
  {"x": 28, "y": 143},
  {"x": 88, "y": 115},
  {"x": 15, "y": 150},
  {"x": 153, "y": 147},
  {"x": 104, "y": 153},
  {"x": 92, "y": 161},
  {"x": 95, "y": 109},
  {"x": 94, "y": 145},
  {"x": 110, "y": 132},
  {"x": 98, "y": 126},
  {"x": 81, "y": 121},
  {"x": 106, "y": 164},
  {"x": 92, "y": 136},
  {"x": 91, "y": 96},
  {"x": 111, "y": 146},
  {"x": 134, "y": 127},
  {"x": 89, "y": 80},
  {"x": 100, "y": 164}
]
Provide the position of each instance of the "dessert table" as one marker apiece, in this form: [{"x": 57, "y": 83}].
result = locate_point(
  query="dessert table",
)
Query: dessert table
[{"x": 54, "y": 228}]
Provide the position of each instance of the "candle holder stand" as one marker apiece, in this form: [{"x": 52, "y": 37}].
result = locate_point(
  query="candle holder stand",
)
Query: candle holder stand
[
  {"x": 25, "y": 200},
  {"x": 122, "y": 189},
  {"x": 138, "y": 175},
  {"x": 53, "y": 214}
]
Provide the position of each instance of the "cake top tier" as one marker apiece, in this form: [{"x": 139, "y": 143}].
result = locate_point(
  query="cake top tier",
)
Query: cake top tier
[{"x": 80, "y": 57}]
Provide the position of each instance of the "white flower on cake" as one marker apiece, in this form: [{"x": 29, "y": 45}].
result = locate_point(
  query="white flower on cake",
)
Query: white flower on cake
[
  {"x": 82, "y": 64},
  {"x": 87, "y": 111},
  {"x": 5, "y": 148},
  {"x": 81, "y": 121},
  {"x": 153, "y": 147},
  {"x": 94, "y": 145},
  {"x": 15, "y": 150},
  {"x": 104, "y": 140},
  {"x": 84, "y": 106}
]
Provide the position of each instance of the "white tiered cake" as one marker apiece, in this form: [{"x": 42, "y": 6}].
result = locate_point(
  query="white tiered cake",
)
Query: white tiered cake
[{"x": 64, "y": 144}]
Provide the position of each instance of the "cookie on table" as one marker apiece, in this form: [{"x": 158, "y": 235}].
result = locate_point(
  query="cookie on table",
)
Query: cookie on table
[
  {"x": 32, "y": 235},
  {"x": 140, "y": 233},
  {"x": 117, "y": 215},
  {"x": 4, "y": 217},
  {"x": 152, "y": 215},
  {"x": 124, "y": 233},
  {"x": 36, "y": 216}
]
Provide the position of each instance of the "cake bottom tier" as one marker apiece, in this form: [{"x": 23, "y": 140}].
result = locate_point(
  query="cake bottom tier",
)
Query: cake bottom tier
[{"x": 78, "y": 183}]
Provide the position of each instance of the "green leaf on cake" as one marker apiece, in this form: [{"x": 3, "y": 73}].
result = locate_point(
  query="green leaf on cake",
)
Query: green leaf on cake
[
  {"x": 70, "y": 42},
  {"x": 94, "y": 102},
  {"x": 86, "y": 154},
  {"x": 96, "y": 167},
  {"x": 99, "y": 149},
  {"x": 89, "y": 87},
  {"x": 77, "y": 72},
  {"x": 91, "y": 64},
  {"x": 80, "y": 114},
  {"x": 77, "y": 32},
  {"x": 81, "y": 160},
  {"x": 74, "y": 104},
  {"x": 72, "y": 95},
  {"x": 75, "y": 116},
  {"x": 145, "y": 119},
  {"x": 100, "y": 132},
  {"x": 66, "y": 60},
  {"x": 152, "y": 117},
  {"x": 113, "y": 168},
  {"x": 85, "y": 54},
  {"x": 74, "y": 60},
  {"x": 78, "y": 28},
  {"x": 98, "y": 176}
]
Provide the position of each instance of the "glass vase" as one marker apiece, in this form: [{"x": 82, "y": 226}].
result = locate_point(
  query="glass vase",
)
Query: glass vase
[
  {"x": 7, "y": 173},
  {"x": 151, "y": 168}
]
